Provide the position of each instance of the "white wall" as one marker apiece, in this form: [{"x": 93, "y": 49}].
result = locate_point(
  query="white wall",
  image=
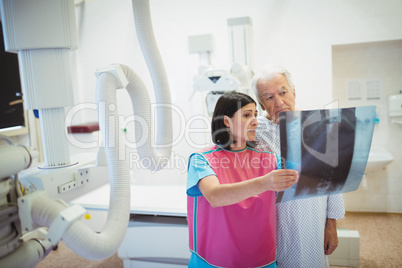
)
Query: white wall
[
  {"x": 298, "y": 34},
  {"x": 380, "y": 191}
]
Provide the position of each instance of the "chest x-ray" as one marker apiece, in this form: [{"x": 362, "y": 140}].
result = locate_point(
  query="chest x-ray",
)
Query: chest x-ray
[{"x": 329, "y": 148}]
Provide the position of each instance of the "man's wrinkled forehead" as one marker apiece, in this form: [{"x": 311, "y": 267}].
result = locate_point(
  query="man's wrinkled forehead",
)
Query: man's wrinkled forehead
[{"x": 272, "y": 91}]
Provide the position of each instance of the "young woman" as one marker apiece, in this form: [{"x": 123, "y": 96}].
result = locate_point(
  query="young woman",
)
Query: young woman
[{"x": 231, "y": 192}]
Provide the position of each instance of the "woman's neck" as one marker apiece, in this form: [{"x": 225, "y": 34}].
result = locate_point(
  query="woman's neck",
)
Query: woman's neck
[{"x": 236, "y": 146}]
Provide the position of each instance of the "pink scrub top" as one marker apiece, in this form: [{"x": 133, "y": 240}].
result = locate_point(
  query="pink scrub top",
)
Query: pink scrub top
[{"x": 238, "y": 235}]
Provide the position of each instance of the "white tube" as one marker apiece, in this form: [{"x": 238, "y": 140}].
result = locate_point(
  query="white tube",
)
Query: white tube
[
  {"x": 142, "y": 108},
  {"x": 78, "y": 236},
  {"x": 29, "y": 254},
  {"x": 13, "y": 159},
  {"x": 160, "y": 82}
]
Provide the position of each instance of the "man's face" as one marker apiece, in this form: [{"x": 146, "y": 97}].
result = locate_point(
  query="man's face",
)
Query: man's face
[{"x": 275, "y": 95}]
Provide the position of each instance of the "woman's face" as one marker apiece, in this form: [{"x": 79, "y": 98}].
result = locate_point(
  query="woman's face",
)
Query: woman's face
[{"x": 243, "y": 125}]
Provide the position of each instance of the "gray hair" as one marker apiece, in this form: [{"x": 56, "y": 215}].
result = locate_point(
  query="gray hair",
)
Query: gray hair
[{"x": 267, "y": 73}]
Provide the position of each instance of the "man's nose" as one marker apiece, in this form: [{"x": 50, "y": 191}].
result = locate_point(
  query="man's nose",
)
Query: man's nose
[{"x": 278, "y": 101}]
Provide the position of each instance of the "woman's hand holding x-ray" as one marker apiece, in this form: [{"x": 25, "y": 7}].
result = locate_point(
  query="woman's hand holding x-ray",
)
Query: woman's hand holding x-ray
[
  {"x": 281, "y": 179},
  {"x": 227, "y": 194}
]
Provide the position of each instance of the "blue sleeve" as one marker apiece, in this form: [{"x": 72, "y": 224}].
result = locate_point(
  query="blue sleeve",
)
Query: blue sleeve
[
  {"x": 278, "y": 161},
  {"x": 198, "y": 168}
]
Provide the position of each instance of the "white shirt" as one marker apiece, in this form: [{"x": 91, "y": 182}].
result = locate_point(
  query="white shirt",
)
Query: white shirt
[{"x": 300, "y": 223}]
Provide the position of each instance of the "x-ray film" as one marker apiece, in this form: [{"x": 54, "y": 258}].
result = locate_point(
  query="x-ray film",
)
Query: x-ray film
[{"x": 329, "y": 148}]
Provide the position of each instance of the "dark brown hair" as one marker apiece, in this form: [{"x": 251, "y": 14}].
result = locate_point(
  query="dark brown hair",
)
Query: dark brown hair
[{"x": 228, "y": 104}]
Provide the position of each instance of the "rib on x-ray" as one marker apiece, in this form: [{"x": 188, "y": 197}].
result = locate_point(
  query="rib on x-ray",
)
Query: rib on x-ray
[{"x": 329, "y": 148}]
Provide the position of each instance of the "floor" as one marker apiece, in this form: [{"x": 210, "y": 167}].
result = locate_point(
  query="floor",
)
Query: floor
[
  {"x": 380, "y": 237},
  {"x": 380, "y": 244}
]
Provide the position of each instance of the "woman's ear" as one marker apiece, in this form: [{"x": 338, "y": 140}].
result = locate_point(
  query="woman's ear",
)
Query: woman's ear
[{"x": 226, "y": 120}]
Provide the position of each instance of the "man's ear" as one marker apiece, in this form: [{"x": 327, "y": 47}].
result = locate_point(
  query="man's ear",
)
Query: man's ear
[
  {"x": 226, "y": 120},
  {"x": 294, "y": 91},
  {"x": 262, "y": 106}
]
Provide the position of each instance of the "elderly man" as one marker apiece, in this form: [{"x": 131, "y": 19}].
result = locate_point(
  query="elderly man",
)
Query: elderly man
[{"x": 306, "y": 228}]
